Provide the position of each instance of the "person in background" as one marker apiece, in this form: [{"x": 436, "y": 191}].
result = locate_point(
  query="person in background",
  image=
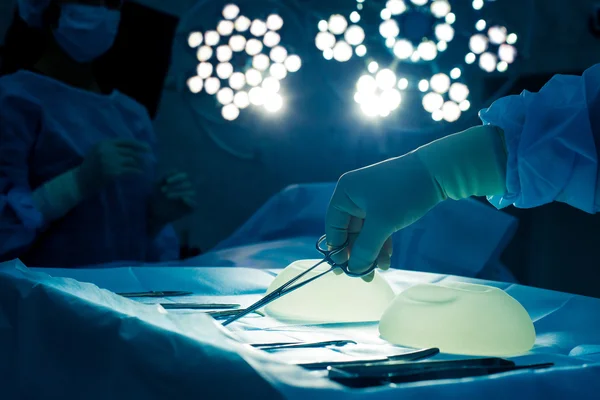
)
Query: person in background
[
  {"x": 533, "y": 149},
  {"x": 77, "y": 165}
]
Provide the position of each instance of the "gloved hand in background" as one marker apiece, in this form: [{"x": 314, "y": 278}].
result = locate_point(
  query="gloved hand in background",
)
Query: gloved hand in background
[
  {"x": 371, "y": 203},
  {"x": 173, "y": 198},
  {"x": 111, "y": 159},
  {"x": 107, "y": 161}
]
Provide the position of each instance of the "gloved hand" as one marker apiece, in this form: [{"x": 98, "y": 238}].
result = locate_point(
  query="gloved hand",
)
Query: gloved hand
[
  {"x": 109, "y": 160},
  {"x": 371, "y": 203},
  {"x": 173, "y": 199}
]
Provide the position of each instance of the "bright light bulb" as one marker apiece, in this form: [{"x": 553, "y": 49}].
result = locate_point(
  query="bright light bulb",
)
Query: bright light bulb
[
  {"x": 402, "y": 83},
  {"x": 432, "y": 102},
  {"x": 195, "y": 84},
  {"x": 241, "y": 100},
  {"x": 195, "y": 39},
  {"x": 237, "y": 80},
  {"x": 253, "y": 47},
  {"x": 480, "y": 25},
  {"x": 488, "y": 62},
  {"x": 230, "y": 11},
  {"x": 423, "y": 85},
  {"x": 396, "y": 7},
  {"x": 278, "y": 54},
  {"x": 371, "y": 106},
  {"x": 224, "y": 53},
  {"x": 366, "y": 84},
  {"x": 274, "y": 22},
  {"x": 230, "y": 112},
  {"x": 451, "y": 111},
  {"x": 440, "y": 83},
  {"x": 273, "y": 102},
  {"x": 354, "y": 35},
  {"x": 271, "y": 84},
  {"x": 389, "y": 29},
  {"x": 324, "y": 40},
  {"x": 342, "y": 51},
  {"x": 237, "y": 43},
  {"x": 385, "y": 14},
  {"x": 361, "y": 50},
  {"x": 507, "y": 53},
  {"x": 204, "y": 70},
  {"x": 212, "y": 85},
  {"x": 464, "y": 105},
  {"x": 322, "y": 26},
  {"x": 225, "y": 28},
  {"x": 211, "y": 38},
  {"x": 337, "y": 24},
  {"x": 224, "y": 70},
  {"x": 261, "y": 62},
  {"x": 293, "y": 63},
  {"x": 415, "y": 57},
  {"x": 373, "y": 67},
  {"x": 242, "y": 24},
  {"x": 511, "y": 39},
  {"x": 427, "y": 50},
  {"x": 258, "y": 27},
  {"x": 440, "y": 8},
  {"x": 390, "y": 42},
  {"x": 470, "y": 58},
  {"x": 403, "y": 49},
  {"x": 253, "y": 77},
  {"x": 455, "y": 73},
  {"x": 437, "y": 115},
  {"x": 450, "y": 18},
  {"x": 444, "y": 32},
  {"x": 271, "y": 39},
  {"x": 386, "y": 79},
  {"x": 458, "y": 92},
  {"x": 477, "y": 4},
  {"x": 497, "y": 34},
  {"x": 354, "y": 17},
  {"x": 257, "y": 96},
  {"x": 502, "y": 66},
  {"x": 478, "y": 43},
  {"x": 225, "y": 96},
  {"x": 358, "y": 97},
  {"x": 442, "y": 46},
  {"x": 278, "y": 71},
  {"x": 419, "y": 2},
  {"x": 204, "y": 53},
  {"x": 328, "y": 54},
  {"x": 391, "y": 98}
]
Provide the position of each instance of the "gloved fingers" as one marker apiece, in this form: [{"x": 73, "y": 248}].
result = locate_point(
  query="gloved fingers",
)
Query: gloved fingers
[
  {"x": 384, "y": 260},
  {"x": 336, "y": 226},
  {"x": 353, "y": 230},
  {"x": 367, "y": 245},
  {"x": 176, "y": 177},
  {"x": 190, "y": 202},
  {"x": 368, "y": 278},
  {"x": 131, "y": 144}
]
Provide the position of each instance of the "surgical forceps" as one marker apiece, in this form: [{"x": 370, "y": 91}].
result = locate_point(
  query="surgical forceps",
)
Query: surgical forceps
[{"x": 289, "y": 286}]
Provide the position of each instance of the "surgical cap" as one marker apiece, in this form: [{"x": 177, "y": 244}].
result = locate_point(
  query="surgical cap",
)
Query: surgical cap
[{"x": 32, "y": 11}]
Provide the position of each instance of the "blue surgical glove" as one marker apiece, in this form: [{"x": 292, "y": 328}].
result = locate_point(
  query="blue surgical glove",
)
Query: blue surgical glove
[
  {"x": 371, "y": 203},
  {"x": 173, "y": 198}
]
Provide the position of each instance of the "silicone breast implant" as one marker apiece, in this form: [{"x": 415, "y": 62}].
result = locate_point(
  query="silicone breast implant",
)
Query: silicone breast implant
[
  {"x": 459, "y": 318},
  {"x": 331, "y": 298}
]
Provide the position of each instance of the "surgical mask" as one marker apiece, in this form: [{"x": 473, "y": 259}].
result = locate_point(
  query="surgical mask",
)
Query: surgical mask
[{"x": 86, "y": 32}]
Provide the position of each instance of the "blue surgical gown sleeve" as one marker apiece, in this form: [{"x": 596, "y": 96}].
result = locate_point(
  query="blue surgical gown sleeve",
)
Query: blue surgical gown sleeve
[
  {"x": 551, "y": 138},
  {"x": 20, "y": 221}
]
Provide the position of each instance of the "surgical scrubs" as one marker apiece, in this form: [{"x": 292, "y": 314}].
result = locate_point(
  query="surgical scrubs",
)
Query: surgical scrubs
[{"x": 47, "y": 128}]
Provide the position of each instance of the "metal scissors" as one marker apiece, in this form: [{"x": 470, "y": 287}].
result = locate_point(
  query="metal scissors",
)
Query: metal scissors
[{"x": 289, "y": 286}]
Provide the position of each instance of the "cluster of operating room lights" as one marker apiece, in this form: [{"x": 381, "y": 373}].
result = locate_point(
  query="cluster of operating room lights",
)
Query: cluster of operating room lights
[
  {"x": 379, "y": 92},
  {"x": 258, "y": 84}
]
